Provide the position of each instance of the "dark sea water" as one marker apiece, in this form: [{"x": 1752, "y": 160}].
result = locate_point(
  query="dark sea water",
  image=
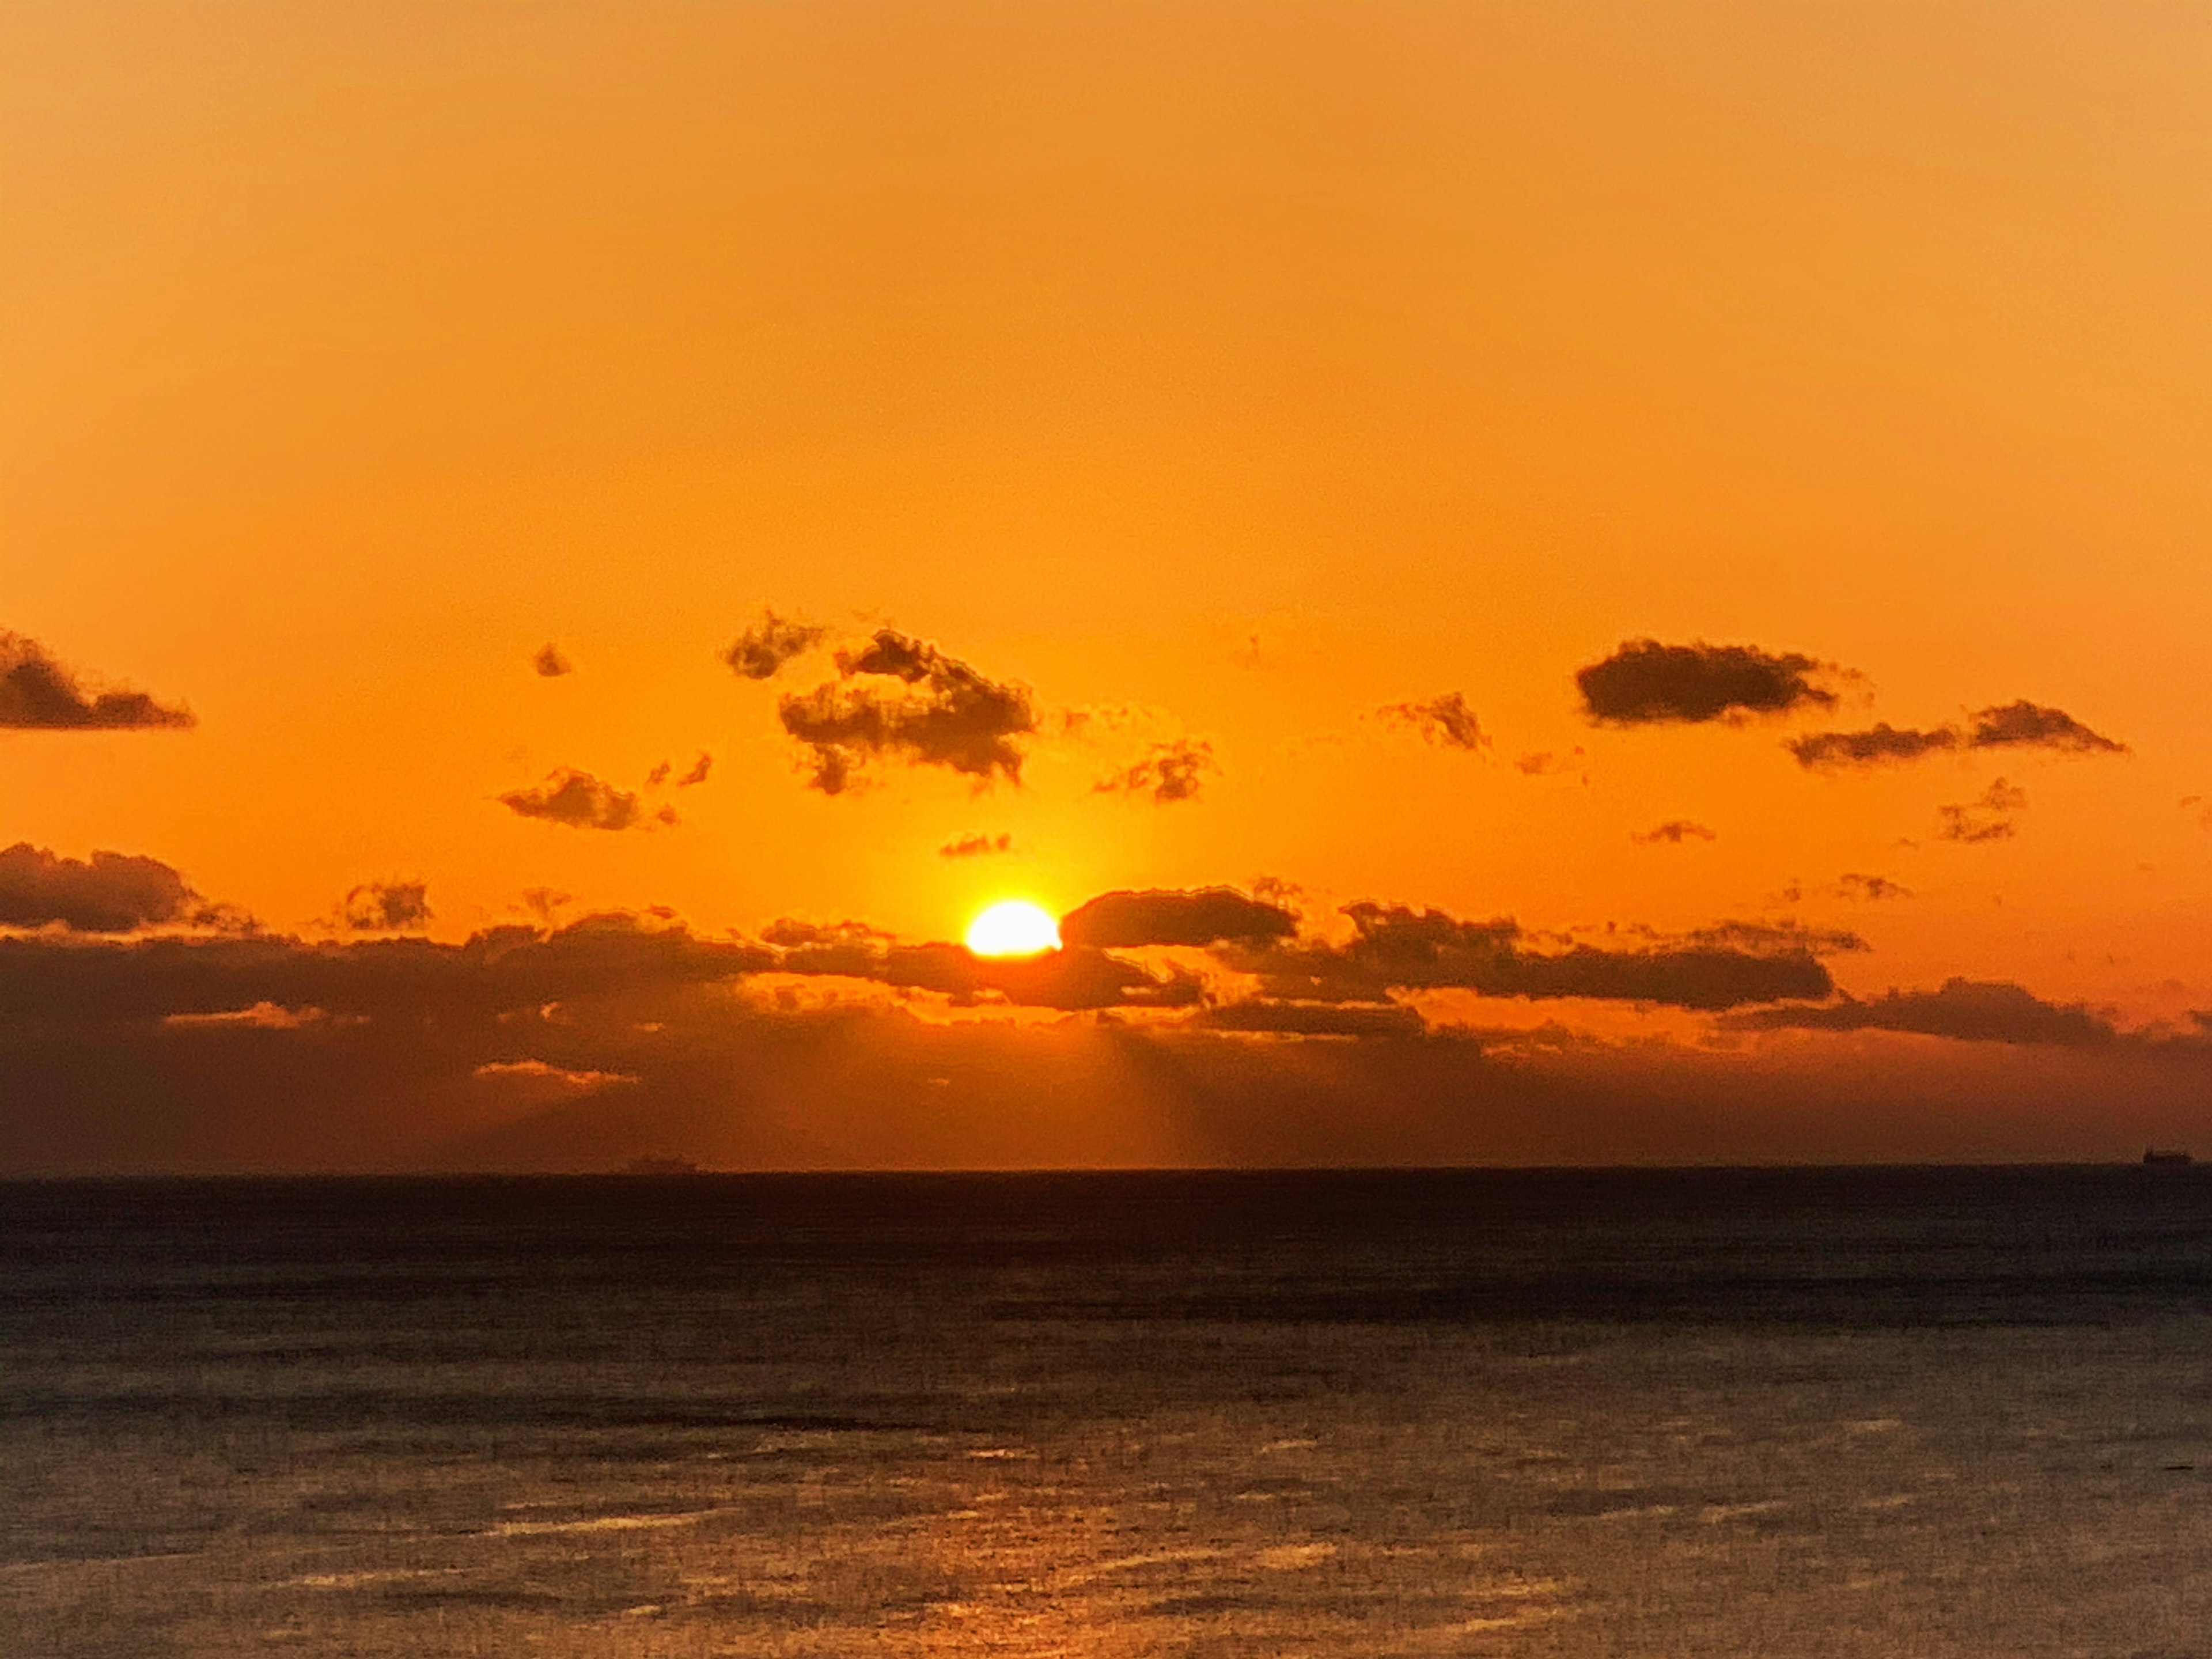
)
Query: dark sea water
[{"x": 1911, "y": 1412}]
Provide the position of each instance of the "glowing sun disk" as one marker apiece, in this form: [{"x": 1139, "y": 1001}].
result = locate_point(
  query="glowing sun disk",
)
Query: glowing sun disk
[{"x": 1014, "y": 927}]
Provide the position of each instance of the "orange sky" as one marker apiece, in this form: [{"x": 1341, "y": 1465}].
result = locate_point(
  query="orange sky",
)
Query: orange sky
[{"x": 1230, "y": 372}]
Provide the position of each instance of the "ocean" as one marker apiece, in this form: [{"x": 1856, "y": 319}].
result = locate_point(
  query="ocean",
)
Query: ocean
[{"x": 1623, "y": 1413}]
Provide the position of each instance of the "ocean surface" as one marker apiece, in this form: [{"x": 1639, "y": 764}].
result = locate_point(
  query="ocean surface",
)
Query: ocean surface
[{"x": 1864, "y": 1413}]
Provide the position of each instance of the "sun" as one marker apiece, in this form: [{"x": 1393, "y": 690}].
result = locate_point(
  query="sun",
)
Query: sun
[{"x": 1014, "y": 927}]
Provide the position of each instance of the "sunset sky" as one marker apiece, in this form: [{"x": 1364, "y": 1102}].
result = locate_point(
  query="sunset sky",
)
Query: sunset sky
[{"x": 1049, "y": 451}]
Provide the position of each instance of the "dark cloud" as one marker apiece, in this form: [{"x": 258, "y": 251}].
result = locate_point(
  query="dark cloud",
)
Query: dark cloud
[
  {"x": 2020, "y": 725},
  {"x": 697, "y": 775},
  {"x": 1880, "y": 744},
  {"x": 1396, "y": 948},
  {"x": 1075, "y": 978},
  {"x": 1968, "y": 1010},
  {"x": 948, "y": 714},
  {"x": 1446, "y": 720},
  {"x": 1872, "y": 889},
  {"x": 976, "y": 845},
  {"x": 109, "y": 893},
  {"x": 382, "y": 906},
  {"x": 1645, "y": 683},
  {"x": 38, "y": 694},
  {"x": 769, "y": 643},
  {"x": 577, "y": 799},
  {"x": 1203, "y": 915},
  {"x": 1169, "y": 772},
  {"x": 1768, "y": 938},
  {"x": 2028, "y": 725},
  {"x": 658, "y": 775},
  {"x": 587, "y": 1047},
  {"x": 551, "y": 662},
  {"x": 1988, "y": 819},
  {"x": 1674, "y": 832},
  {"x": 1261, "y": 1016}
]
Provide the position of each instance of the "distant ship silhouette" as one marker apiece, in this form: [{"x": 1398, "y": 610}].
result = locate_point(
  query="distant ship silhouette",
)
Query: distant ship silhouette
[{"x": 2172, "y": 1158}]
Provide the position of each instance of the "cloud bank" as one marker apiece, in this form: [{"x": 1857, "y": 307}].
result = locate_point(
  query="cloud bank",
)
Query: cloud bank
[{"x": 1397, "y": 948}]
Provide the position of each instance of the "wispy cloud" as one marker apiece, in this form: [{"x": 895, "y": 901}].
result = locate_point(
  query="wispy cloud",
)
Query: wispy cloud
[{"x": 1172, "y": 771}]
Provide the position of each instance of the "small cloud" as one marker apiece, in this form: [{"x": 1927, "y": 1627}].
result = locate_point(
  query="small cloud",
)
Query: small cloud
[
  {"x": 1446, "y": 720},
  {"x": 378, "y": 907},
  {"x": 1645, "y": 683},
  {"x": 1674, "y": 832},
  {"x": 544, "y": 903},
  {"x": 697, "y": 775},
  {"x": 1988, "y": 818},
  {"x": 763, "y": 648},
  {"x": 108, "y": 893},
  {"x": 1880, "y": 745},
  {"x": 577, "y": 799},
  {"x": 658, "y": 775},
  {"x": 38, "y": 694},
  {"x": 1199, "y": 915},
  {"x": 1872, "y": 889},
  {"x": 2028, "y": 725},
  {"x": 946, "y": 714},
  {"x": 551, "y": 662},
  {"x": 1543, "y": 763},
  {"x": 1171, "y": 771},
  {"x": 975, "y": 846}
]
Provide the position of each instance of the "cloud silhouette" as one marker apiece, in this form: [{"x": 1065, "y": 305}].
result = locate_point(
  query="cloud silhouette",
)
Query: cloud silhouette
[
  {"x": 2028, "y": 725},
  {"x": 1446, "y": 720},
  {"x": 1880, "y": 744},
  {"x": 38, "y": 694},
  {"x": 108, "y": 893},
  {"x": 1674, "y": 832},
  {"x": 763, "y": 648},
  {"x": 377, "y": 907},
  {"x": 1397, "y": 948},
  {"x": 1202, "y": 916},
  {"x": 1645, "y": 683},
  {"x": 1169, "y": 772},
  {"x": 2021, "y": 725},
  {"x": 943, "y": 713},
  {"x": 1872, "y": 889},
  {"x": 697, "y": 775},
  {"x": 976, "y": 845},
  {"x": 550, "y": 662},
  {"x": 1967, "y": 1010},
  {"x": 1987, "y": 818},
  {"x": 577, "y": 799}
]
